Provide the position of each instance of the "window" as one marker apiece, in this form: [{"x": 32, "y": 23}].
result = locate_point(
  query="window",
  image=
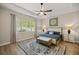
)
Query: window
[{"x": 25, "y": 24}]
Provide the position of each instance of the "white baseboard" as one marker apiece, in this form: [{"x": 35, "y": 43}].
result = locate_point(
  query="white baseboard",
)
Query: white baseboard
[
  {"x": 23, "y": 39},
  {"x": 4, "y": 43},
  {"x": 20, "y": 40}
]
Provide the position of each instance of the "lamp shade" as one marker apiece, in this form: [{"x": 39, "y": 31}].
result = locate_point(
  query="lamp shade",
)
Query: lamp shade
[{"x": 69, "y": 26}]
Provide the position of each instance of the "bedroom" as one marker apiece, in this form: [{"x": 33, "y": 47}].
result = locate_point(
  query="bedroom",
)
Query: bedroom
[{"x": 63, "y": 20}]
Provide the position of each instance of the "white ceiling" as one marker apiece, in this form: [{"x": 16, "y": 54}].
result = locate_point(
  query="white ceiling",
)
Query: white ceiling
[{"x": 58, "y": 8}]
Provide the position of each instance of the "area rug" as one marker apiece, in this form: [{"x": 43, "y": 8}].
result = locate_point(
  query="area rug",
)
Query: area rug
[{"x": 34, "y": 48}]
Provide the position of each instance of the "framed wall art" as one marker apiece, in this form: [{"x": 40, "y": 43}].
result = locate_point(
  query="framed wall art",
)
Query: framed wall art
[{"x": 53, "y": 22}]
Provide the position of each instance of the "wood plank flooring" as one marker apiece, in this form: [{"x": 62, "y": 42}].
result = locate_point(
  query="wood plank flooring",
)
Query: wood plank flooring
[
  {"x": 14, "y": 49},
  {"x": 71, "y": 48},
  {"x": 11, "y": 49}
]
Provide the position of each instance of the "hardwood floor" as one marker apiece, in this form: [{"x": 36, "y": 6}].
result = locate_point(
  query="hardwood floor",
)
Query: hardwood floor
[
  {"x": 71, "y": 48},
  {"x": 11, "y": 49},
  {"x": 14, "y": 49}
]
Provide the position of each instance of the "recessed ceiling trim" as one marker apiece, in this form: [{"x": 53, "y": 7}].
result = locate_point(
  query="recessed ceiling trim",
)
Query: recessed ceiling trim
[{"x": 25, "y": 9}]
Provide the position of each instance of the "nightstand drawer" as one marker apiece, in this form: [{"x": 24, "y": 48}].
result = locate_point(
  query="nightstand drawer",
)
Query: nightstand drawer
[
  {"x": 65, "y": 37},
  {"x": 69, "y": 38}
]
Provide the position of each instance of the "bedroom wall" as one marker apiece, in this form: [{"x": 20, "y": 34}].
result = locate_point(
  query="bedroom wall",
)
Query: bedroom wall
[
  {"x": 67, "y": 19},
  {"x": 4, "y": 26},
  {"x": 5, "y": 21},
  {"x": 70, "y": 19}
]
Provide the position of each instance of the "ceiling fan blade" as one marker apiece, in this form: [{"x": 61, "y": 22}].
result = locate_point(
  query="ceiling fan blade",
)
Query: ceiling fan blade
[
  {"x": 44, "y": 13},
  {"x": 38, "y": 13},
  {"x": 41, "y": 13},
  {"x": 48, "y": 11}
]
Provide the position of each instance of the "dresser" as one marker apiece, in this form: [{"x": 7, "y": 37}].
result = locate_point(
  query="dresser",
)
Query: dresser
[{"x": 70, "y": 38}]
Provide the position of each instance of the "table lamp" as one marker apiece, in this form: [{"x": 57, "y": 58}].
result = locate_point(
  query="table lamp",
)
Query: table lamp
[
  {"x": 69, "y": 30},
  {"x": 44, "y": 28}
]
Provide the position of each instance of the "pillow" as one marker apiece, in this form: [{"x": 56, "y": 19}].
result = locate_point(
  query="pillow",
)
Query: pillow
[
  {"x": 47, "y": 32},
  {"x": 51, "y": 32},
  {"x": 56, "y": 33}
]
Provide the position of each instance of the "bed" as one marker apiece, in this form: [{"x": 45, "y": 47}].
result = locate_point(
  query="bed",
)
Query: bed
[{"x": 55, "y": 35}]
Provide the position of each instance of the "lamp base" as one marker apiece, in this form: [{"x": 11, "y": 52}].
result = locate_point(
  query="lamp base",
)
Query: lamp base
[{"x": 69, "y": 31}]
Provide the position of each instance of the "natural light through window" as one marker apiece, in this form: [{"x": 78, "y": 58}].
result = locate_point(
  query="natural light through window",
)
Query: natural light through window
[{"x": 25, "y": 24}]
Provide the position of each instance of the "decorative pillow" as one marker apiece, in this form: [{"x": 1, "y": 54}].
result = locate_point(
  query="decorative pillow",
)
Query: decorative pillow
[
  {"x": 51, "y": 32},
  {"x": 56, "y": 33},
  {"x": 47, "y": 32}
]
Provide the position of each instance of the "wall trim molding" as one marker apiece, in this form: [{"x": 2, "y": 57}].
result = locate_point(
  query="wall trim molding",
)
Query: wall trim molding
[
  {"x": 6, "y": 43},
  {"x": 23, "y": 39}
]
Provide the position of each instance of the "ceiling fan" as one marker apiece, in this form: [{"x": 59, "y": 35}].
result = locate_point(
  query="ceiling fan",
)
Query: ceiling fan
[{"x": 42, "y": 11}]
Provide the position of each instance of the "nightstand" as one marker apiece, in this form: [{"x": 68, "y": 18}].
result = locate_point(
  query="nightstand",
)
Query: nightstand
[{"x": 71, "y": 38}]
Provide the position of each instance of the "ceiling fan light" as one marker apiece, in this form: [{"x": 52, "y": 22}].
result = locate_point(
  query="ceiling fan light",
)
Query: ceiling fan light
[{"x": 41, "y": 13}]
